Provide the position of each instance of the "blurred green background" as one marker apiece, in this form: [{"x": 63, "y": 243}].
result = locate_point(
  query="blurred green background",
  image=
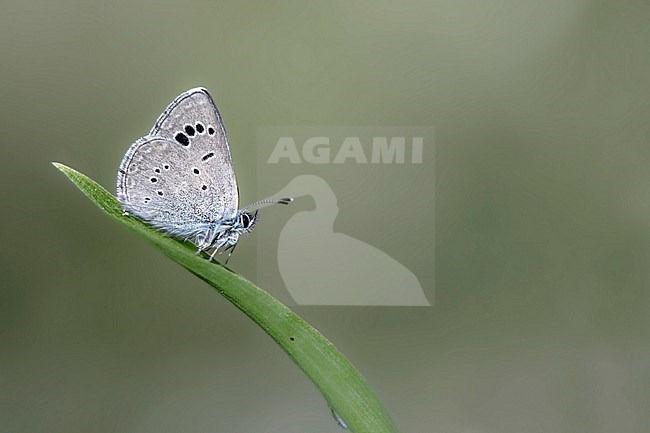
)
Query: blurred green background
[{"x": 542, "y": 201}]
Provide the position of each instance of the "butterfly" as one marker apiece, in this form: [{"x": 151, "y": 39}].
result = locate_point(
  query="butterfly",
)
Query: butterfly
[{"x": 180, "y": 179}]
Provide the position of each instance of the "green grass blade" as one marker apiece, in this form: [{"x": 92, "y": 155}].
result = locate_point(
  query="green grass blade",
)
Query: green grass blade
[{"x": 344, "y": 388}]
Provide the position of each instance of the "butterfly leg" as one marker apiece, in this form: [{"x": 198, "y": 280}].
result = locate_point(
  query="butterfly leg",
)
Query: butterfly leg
[
  {"x": 220, "y": 243},
  {"x": 214, "y": 253},
  {"x": 231, "y": 247}
]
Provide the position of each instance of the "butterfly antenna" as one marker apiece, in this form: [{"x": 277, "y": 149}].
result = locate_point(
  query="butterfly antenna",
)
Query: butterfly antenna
[{"x": 264, "y": 203}]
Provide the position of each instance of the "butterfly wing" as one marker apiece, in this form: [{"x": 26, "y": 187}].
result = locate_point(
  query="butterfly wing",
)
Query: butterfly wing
[
  {"x": 180, "y": 178},
  {"x": 193, "y": 114}
]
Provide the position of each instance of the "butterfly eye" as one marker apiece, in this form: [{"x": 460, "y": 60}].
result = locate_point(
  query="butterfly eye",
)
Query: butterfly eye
[{"x": 245, "y": 220}]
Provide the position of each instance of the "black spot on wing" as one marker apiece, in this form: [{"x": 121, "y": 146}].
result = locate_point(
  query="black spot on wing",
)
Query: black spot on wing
[{"x": 182, "y": 139}]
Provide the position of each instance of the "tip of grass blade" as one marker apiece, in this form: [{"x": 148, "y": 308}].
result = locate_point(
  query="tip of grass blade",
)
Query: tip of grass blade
[
  {"x": 62, "y": 167},
  {"x": 66, "y": 170},
  {"x": 95, "y": 192}
]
